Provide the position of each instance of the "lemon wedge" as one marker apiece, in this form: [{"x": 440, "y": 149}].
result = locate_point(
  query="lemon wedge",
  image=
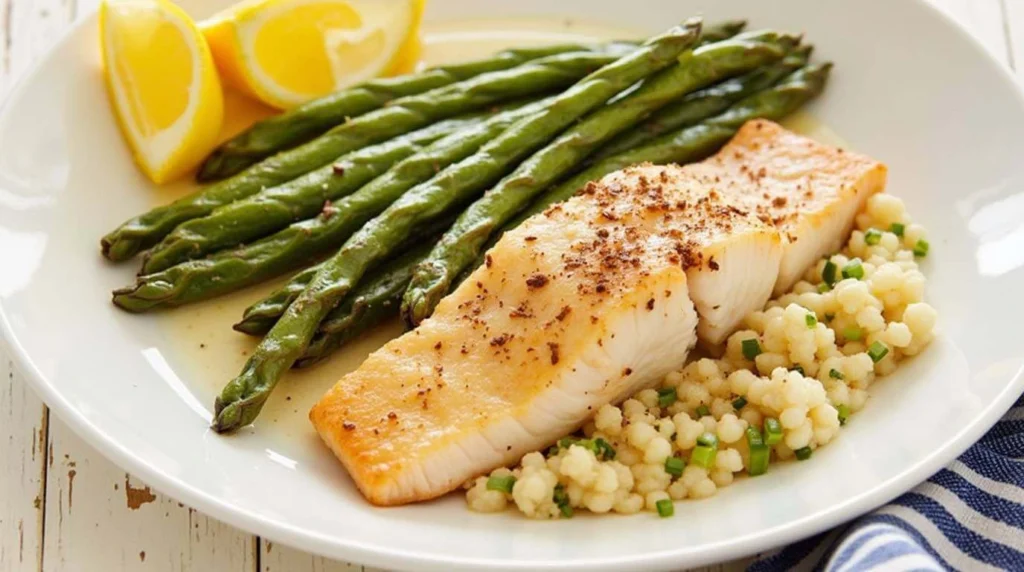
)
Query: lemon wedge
[
  {"x": 286, "y": 52},
  {"x": 162, "y": 84}
]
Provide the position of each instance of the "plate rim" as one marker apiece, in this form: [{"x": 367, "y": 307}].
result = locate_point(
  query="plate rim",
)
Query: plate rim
[{"x": 347, "y": 550}]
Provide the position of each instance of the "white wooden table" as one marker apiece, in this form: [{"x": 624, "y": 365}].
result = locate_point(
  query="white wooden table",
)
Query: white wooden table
[{"x": 65, "y": 507}]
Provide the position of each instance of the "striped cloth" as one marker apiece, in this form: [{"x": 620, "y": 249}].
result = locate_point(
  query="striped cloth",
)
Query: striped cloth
[{"x": 968, "y": 516}]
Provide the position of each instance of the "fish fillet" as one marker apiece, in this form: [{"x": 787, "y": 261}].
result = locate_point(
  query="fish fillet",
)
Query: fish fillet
[{"x": 810, "y": 191}]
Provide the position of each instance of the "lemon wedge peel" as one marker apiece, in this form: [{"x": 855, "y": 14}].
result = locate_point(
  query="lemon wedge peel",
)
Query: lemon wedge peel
[{"x": 135, "y": 71}]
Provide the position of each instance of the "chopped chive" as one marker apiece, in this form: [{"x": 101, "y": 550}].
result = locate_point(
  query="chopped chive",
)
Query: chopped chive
[
  {"x": 754, "y": 436},
  {"x": 921, "y": 248},
  {"x": 844, "y": 413},
  {"x": 751, "y": 348},
  {"x": 759, "y": 452},
  {"x": 872, "y": 236},
  {"x": 853, "y": 333},
  {"x": 836, "y": 374},
  {"x": 897, "y": 228},
  {"x": 503, "y": 484},
  {"x": 739, "y": 403},
  {"x": 605, "y": 450},
  {"x": 798, "y": 368},
  {"x": 703, "y": 411},
  {"x": 803, "y": 453},
  {"x": 674, "y": 466},
  {"x": 828, "y": 274},
  {"x": 772, "y": 431},
  {"x": 759, "y": 457},
  {"x": 811, "y": 320},
  {"x": 708, "y": 439},
  {"x": 853, "y": 269},
  {"x": 667, "y": 396},
  {"x": 589, "y": 445},
  {"x": 561, "y": 499},
  {"x": 829, "y": 317},
  {"x": 822, "y": 288},
  {"x": 877, "y": 351},
  {"x": 703, "y": 456},
  {"x": 599, "y": 447},
  {"x": 665, "y": 508}
]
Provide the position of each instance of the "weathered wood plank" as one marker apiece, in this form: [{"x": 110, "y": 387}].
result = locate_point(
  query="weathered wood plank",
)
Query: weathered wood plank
[
  {"x": 98, "y": 514},
  {"x": 23, "y": 451},
  {"x": 281, "y": 558}
]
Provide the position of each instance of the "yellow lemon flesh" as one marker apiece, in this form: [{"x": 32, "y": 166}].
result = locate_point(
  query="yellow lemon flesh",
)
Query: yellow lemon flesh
[
  {"x": 162, "y": 84},
  {"x": 287, "y": 52}
]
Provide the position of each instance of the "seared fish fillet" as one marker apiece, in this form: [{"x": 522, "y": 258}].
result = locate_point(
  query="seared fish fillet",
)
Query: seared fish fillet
[
  {"x": 580, "y": 306},
  {"x": 810, "y": 191}
]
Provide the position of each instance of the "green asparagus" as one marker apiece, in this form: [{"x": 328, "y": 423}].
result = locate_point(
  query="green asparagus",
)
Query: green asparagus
[
  {"x": 461, "y": 245},
  {"x": 241, "y": 400},
  {"x": 304, "y": 241},
  {"x": 313, "y": 119},
  {"x": 721, "y": 31},
  {"x": 705, "y": 103},
  {"x": 402, "y": 115},
  {"x": 699, "y": 141},
  {"x": 375, "y": 299},
  {"x": 261, "y": 316},
  {"x": 276, "y": 207}
]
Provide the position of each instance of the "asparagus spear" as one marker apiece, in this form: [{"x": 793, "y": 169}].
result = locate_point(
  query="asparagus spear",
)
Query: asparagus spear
[
  {"x": 721, "y": 31},
  {"x": 301, "y": 242},
  {"x": 376, "y": 299},
  {"x": 275, "y": 208},
  {"x": 241, "y": 400},
  {"x": 699, "y": 141},
  {"x": 261, "y": 316},
  {"x": 402, "y": 115},
  {"x": 314, "y": 118},
  {"x": 705, "y": 103},
  {"x": 461, "y": 245}
]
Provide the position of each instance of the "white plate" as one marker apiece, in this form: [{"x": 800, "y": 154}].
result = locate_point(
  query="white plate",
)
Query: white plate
[{"x": 910, "y": 88}]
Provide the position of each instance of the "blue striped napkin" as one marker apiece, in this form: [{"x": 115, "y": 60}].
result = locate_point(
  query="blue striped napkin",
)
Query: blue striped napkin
[{"x": 968, "y": 516}]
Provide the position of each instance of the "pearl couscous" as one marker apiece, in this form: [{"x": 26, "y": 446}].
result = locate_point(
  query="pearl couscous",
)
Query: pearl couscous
[{"x": 783, "y": 387}]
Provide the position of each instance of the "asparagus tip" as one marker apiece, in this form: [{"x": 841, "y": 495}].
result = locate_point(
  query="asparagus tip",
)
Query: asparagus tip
[
  {"x": 232, "y": 414},
  {"x": 430, "y": 283},
  {"x": 146, "y": 294},
  {"x": 118, "y": 249},
  {"x": 252, "y": 326}
]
